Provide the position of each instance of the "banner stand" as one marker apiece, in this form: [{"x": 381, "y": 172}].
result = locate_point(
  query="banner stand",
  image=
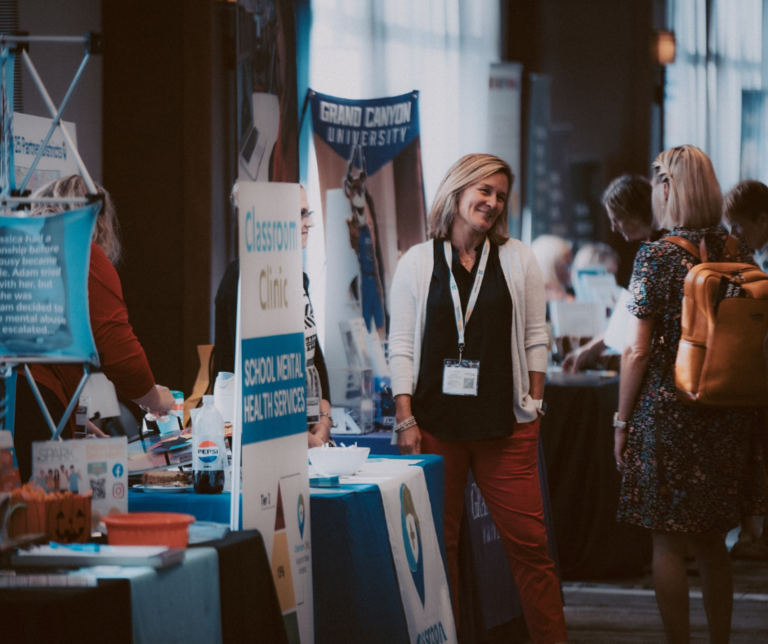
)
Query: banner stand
[{"x": 10, "y": 196}]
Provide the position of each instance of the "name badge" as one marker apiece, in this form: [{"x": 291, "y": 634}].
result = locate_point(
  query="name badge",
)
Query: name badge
[
  {"x": 313, "y": 411},
  {"x": 460, "y": 377}
]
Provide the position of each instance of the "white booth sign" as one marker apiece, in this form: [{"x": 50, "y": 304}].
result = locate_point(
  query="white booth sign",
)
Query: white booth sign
[{"x": 271, "y": 390}]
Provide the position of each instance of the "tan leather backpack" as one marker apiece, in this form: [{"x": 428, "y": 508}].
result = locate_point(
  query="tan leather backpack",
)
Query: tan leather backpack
[{"x": 720, "y": 360}]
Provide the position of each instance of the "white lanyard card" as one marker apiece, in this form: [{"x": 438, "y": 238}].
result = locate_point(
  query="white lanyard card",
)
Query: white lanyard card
[{"x": 460, "y": 376}]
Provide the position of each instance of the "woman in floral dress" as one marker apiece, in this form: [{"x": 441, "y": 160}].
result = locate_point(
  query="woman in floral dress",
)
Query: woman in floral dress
[{"x": 711, "y": 458}]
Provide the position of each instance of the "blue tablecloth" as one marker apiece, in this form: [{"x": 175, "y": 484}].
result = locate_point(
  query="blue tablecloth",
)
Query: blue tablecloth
[
  {"x": 488, "y": 594},
  {"x": 356, "y": 595},
  {"x": 177, "y": 605}
]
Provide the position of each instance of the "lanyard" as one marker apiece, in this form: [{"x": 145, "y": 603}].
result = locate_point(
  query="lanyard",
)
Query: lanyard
[{"x": 462, "y": 320}]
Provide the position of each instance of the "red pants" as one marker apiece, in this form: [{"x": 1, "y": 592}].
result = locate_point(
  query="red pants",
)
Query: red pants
[{"x": 506, "y": 471}]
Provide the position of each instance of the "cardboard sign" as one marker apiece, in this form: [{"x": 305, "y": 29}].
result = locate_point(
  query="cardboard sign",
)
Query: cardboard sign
[{"x": 99, "y": 465}]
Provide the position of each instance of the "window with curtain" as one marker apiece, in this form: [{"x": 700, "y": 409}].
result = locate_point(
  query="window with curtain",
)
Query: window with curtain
[
  {"x": 719, "y": 54},
  {"x": 373, "y": 48}
]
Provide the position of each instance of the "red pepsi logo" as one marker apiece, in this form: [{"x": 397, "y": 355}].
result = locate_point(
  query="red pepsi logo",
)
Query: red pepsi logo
[{"x": 207, "y": 452}]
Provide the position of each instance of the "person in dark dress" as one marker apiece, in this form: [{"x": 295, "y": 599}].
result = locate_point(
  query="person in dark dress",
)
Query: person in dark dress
[{"x": 711, "y": 458}]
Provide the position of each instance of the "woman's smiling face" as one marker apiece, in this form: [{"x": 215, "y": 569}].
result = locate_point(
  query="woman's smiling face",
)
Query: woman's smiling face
[{"x": 481, "y": 203}]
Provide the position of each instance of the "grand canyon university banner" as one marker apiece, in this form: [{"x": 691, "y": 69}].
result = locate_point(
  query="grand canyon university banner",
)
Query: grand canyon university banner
[{"x": 369, "y": 165}]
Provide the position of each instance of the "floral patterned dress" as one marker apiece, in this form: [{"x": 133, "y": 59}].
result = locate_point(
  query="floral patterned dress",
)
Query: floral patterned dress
[{"x": 712, "y": 456}]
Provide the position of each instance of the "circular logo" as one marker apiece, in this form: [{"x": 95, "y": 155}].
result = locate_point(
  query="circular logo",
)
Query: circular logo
[
  {"x": 207, "y": 452},
  {"x": 413, "y": 539}
]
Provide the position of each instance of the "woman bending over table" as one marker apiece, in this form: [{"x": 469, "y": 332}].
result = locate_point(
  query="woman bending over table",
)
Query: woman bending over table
[
  {"x": 689, "y": 473},
  {"x": 468, "y": 350},
  {"x": 122, "y": 357}
]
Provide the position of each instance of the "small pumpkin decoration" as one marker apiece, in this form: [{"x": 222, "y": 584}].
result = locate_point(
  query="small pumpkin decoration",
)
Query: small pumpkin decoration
[{"x": 64, "y": 516}]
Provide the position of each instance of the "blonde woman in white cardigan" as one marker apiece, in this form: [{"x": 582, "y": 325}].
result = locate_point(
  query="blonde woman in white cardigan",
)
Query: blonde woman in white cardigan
[{"x": 468, "y": 359}]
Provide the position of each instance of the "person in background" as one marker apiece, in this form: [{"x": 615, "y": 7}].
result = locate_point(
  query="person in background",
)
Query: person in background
[
  {"x": 595, "y": 254},
  {"x": 627, "y": 201},
  {"x": 688, "y": 473},
  {"x": 554, "y": 256},
  {"x": 473, "y": 294},
  {"x": 319, "y": 420},
  {"x": 123, "y": 360},
  {"x": 745, "y": 209}
]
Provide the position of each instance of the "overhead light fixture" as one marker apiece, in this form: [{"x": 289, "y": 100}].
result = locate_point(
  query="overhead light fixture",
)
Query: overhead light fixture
[{"x": 663, "y": 47}]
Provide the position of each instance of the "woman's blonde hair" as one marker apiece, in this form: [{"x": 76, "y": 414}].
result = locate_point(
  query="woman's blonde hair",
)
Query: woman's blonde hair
[
  {"x": 467, "y": 171},
  {"x": 107, "y": 232},
  {"x": 695, "y": 199}
]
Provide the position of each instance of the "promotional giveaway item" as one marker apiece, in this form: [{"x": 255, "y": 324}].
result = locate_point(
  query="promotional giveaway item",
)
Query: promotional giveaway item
[
  {"x": 209, "y": 453},
  {"x": 270, "y": 419},
  {"x": 78, "y": 466}
]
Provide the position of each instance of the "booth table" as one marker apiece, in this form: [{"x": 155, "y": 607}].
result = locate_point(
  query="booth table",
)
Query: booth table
[
  {"x": 489, "y": 602},
  {"x": 223, "y": 592},
  {"x": 577, "y": 435},
  {"x": 356, "y": 595}
]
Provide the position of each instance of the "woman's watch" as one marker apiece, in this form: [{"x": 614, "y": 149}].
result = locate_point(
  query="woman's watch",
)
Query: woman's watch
[
  {"x": 619, "y": 424},
  {"x": 325, "y": 414}
]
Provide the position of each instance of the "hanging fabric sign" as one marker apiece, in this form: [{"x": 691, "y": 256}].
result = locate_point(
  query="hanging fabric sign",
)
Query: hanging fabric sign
[
  {"x": 369, "y": 166},
  {"x": 44, "y": 263}
]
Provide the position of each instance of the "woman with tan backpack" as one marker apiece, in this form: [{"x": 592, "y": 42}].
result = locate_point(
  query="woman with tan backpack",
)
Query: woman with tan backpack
[{"x": 690, "y": 469}]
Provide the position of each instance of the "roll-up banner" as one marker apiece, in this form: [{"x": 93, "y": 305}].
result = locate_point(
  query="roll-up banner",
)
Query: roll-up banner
[
  {"x": 504, "y": 87},
  {"x": 369, "y": 166},
  {"x": 272, "y": 415}
]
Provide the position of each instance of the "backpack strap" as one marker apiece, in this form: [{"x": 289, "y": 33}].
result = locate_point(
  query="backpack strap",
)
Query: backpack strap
[
  {"x": 730, "y": 251},
  {"x": 686, "y": 245}
]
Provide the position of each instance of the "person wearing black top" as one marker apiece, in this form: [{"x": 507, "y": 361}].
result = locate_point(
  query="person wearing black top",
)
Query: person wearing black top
[
  {"x": 319, "y": 420},
  {"x": 468, "y": 357}
]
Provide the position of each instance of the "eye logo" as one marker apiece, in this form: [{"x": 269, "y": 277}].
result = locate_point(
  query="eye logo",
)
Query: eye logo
[
  {"x": 301, "y": 510},
  {"x": 207, "y": 452},
  {"x": 412, "y": 539}
]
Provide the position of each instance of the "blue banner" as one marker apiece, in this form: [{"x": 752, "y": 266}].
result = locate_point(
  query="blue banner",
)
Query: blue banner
[
  {"x": 381, "y": 128},
  {"x": 44, "y": 264},
  {"x": 273, "y": 387},
  {"x": 7, "y": 177}
]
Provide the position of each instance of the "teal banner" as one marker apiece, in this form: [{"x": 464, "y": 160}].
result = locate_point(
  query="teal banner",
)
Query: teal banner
[{"x": 44, "y": 264}]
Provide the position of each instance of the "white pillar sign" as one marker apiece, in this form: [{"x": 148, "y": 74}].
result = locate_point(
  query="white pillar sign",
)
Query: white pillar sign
[{"x": 272, "y": 414}]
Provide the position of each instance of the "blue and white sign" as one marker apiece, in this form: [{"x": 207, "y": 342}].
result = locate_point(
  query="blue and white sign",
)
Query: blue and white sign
[
  {"x": 44, "y": 264},
  {"x": 271, "y": 414}
]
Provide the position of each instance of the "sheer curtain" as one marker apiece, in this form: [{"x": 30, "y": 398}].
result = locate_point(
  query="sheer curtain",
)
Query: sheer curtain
[
  {"x": 374, "y": 48},
  {"x": 719, "y": 53}
]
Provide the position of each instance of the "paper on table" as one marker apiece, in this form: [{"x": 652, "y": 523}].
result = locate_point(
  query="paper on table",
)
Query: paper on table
[
  {"x": 577, "y": 319},
  {"x": 621, "y": 327}
]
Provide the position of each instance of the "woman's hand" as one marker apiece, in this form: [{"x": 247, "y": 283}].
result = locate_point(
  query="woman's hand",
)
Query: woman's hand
[
  {"x": 157, "y": 401},
  {"x": 409, "y": 441},
  {"x": 93, "y": 430},
  {"x": 322, "y": 431},
  {"x": 313, "y": 440},
  {"x": 575, "y": 361},
  {"x": 620, "y": 447}
]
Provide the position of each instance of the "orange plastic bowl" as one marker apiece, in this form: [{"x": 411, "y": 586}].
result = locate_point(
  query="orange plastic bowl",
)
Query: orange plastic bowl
[{"x": 148, "y": 529}]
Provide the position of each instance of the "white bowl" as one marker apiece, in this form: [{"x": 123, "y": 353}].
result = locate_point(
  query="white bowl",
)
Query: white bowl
[{"x": 338, "y": 461}]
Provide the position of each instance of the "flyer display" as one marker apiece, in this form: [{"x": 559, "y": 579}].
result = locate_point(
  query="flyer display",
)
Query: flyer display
[
  {"x": 79, "y": 466},
  {"x": 271, "y": 387}
]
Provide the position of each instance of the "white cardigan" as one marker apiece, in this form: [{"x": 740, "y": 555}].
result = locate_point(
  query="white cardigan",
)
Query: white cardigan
[{"x": 408, "y": 307}]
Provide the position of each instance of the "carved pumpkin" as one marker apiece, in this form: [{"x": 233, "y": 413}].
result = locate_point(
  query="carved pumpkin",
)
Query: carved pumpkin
[{"x": 66, "y": 519}]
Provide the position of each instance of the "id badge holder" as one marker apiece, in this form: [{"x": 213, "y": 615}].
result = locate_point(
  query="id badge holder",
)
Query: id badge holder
[{"x": 460, "y": 377}]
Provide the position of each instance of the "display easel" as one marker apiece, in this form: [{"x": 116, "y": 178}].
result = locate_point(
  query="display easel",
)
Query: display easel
[{"x": 13, "y": 200}]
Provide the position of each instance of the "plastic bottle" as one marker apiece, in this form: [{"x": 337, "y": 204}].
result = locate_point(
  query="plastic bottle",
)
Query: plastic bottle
[{"x": 209, "y": 452}]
